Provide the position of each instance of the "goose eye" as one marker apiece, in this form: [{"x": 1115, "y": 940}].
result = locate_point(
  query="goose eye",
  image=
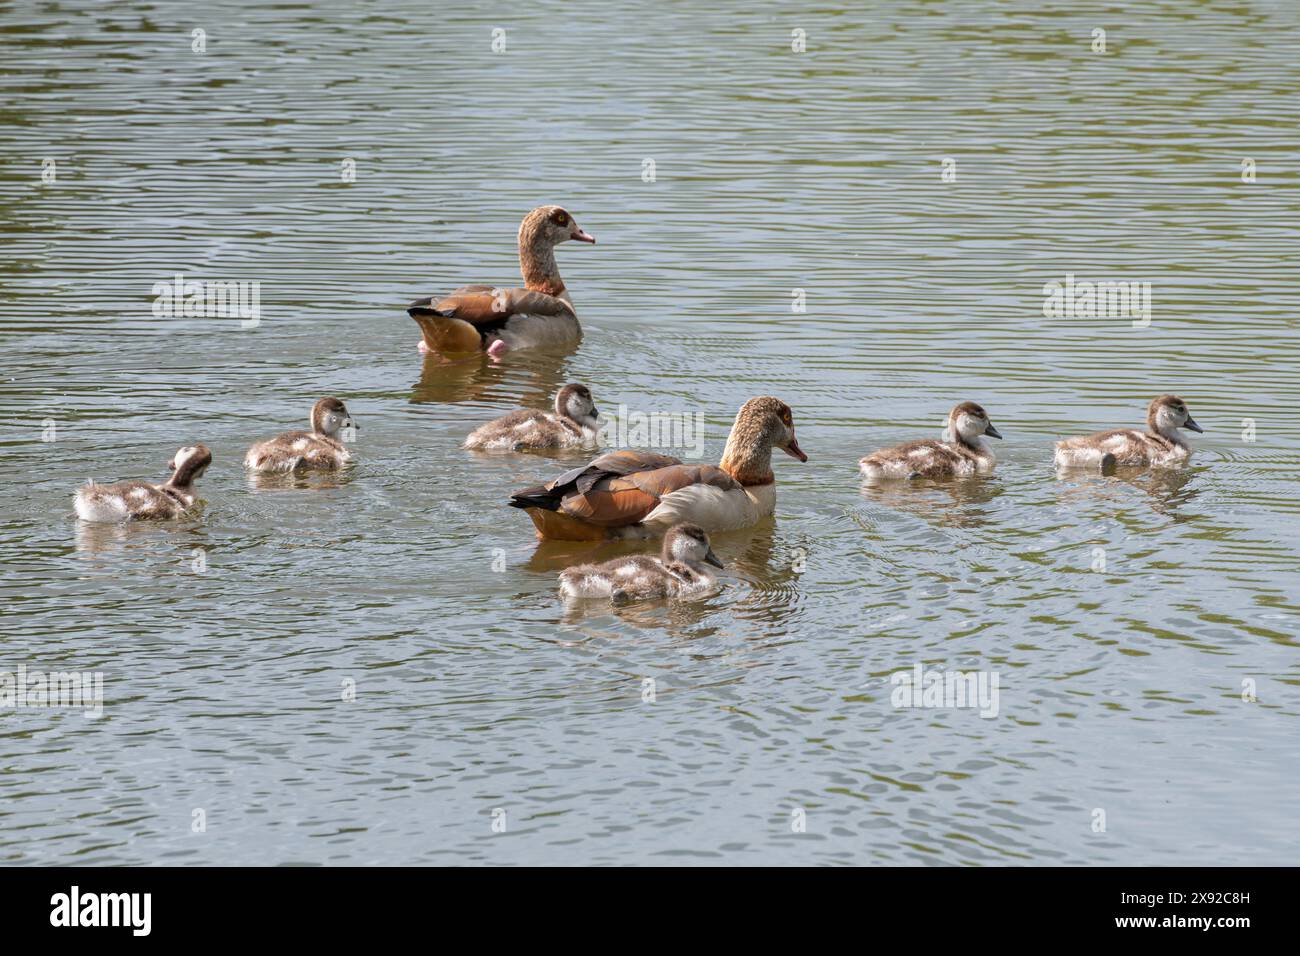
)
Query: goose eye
[{"x": 561, "y": 219}]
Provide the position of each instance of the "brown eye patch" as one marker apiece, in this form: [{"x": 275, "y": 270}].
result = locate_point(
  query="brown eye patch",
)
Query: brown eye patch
[{"x": 560, "y": 218}]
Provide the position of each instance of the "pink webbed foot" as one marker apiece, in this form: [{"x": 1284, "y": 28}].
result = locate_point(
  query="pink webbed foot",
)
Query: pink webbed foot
[{"x": 497, "y": 349}]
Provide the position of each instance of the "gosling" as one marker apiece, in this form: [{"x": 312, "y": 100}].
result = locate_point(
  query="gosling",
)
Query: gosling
[
  {"x": 573, "y": 425},
  {"x": 319, "y": 449},
  {"x": 1161, "y": 445},
  {"x": 679, "y": 571},
  {"x": 965, "y": 453},
  {"x": 141, "y": 501}
]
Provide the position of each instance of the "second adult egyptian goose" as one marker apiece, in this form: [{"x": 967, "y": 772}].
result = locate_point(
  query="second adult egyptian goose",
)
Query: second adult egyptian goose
[
  {"x": 638, "y": 494},
  {"x": 491, "y": 319}
]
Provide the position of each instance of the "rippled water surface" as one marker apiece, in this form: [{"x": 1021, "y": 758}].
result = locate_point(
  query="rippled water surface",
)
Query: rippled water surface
[{"x": 229, "y": 642}]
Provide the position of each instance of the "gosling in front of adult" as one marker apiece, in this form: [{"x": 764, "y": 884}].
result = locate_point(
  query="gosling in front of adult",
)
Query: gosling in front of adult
[
  {"x": 1161, "y": 445},
  {"x": 679, "y": 571},
  {"x": 141, "y": 501},
  {"x": 964, "y": 453},
  {"x": 319, "y": 449},
  {"x": 573, "y": 425}
]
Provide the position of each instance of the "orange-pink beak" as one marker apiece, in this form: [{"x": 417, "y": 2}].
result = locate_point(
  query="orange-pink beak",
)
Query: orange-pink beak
[
  {"x": 793, "y": 450},
  {"x": 581, "y": 236}
]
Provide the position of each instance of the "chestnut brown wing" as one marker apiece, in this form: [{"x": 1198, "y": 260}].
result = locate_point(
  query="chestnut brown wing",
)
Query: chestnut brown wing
[
  {"x": 582, "y": 479},
  {"x": 613, "y": 502},
  {"x": 488, "y": 306}
]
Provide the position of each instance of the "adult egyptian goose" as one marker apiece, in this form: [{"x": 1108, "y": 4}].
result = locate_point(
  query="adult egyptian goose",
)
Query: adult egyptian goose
[
  {"x": 574, "y": 425},
  {"x": 679, "y": 571},
  {"x": 486, "y": 318},
  {"x": 966, "y": 453},
  {"x": 1161, "y": 445},
  {"x": 638, "y": 494},
  {"x": 319, "y": 449},
  {"x": 139, "y": 500}
]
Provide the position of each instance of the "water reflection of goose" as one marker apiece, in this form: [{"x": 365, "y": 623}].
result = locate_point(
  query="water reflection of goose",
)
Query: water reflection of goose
[
  {"x": 1166, "y": 489},
  {"x": 97, "y": 539},
  {"x": 530, "y": 380},
  {"x": 299, "y": 480},
  {"x": 950, "y": 503},
  {"x": 682, "y": 619}
]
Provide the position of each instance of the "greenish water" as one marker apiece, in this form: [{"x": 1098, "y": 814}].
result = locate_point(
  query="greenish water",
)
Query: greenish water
[{"x": 477, "y": 690}]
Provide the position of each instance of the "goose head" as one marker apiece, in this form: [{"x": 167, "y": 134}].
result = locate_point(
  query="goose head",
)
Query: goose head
[
  {"x": 689, "y": 544},
  {"x": 541, "y": 231},
  {"x": 329, "y": 415},
  {"x": 968, "y": 423},
  {"x": 575, "y": 403},
  {"x": 1167, "y": 414},
  {"x": 552, "y": 225},
  {"x": 189, "y": 464},
  {"x": 761, "y": 424}
]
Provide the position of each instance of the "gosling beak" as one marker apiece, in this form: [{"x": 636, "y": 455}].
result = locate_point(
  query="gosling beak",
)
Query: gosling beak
[
  {"x": 581, "y": 236},
  {"x": 992, "y": 432},
  {"x": 793, "y": 450},
  {"x": 352, "y": 423},
  {"x": 713, "y": 559},
  {"x": 595, "y": 412},
  {"x": 1191, "y": 423},
  {"x": 171, "y": 465}
]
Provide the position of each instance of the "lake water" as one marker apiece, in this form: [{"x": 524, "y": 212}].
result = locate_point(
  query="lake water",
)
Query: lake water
[{"x": 229, "y": 643}]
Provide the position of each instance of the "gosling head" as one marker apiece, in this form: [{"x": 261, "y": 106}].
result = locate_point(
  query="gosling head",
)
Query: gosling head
[
  {"x": 329, "y": 415},
  {"x": 575, "y": 403},
  {"x": 1167, "y": 414},
  {"x": 968, "y": 422},
  {"x": 688, "y": 543},
  {"x": 189, "y": 464},
  {"x": 551, "y": 225}
]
